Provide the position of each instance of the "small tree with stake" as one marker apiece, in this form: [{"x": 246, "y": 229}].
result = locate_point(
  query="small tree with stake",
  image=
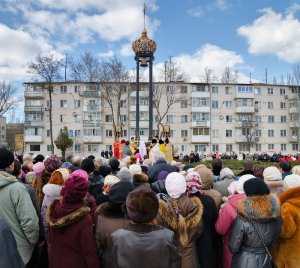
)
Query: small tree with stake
[{"x": 63, "y": 142}]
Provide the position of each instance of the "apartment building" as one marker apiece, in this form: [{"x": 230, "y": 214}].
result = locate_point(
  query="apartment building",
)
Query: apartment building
[
  {"x": 204, "y": 118},
  {"x": 3, "y": 131}
]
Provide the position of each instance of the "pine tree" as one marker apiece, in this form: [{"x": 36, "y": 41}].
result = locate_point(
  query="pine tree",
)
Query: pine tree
[{"x": 63, "y": 142}]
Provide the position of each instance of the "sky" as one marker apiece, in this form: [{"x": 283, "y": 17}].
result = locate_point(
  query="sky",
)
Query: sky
[{"x": 245, "y": 35}]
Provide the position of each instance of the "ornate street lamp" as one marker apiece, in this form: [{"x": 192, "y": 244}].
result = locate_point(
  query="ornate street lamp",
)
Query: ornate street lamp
[{"x": 144, "y": 49}]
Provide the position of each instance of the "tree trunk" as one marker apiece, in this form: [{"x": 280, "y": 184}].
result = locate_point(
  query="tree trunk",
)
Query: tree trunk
[{"x": 50, "y": 116}]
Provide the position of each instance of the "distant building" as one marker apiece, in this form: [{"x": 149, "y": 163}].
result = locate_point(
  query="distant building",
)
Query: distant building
[
  {"x": 3, "y": 131},
  {"x": 205, "y": 118},
  {"x": 15, "y": 137}
]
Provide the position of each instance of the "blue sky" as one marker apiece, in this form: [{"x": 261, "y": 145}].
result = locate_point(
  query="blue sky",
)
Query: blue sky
[{"x": 246, "y": 35}]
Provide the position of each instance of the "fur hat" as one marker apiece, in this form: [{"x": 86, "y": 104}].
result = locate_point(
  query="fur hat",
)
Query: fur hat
[
  {"x": 52, "y": 163},
  {"x": 238, "y": 186},
  {"x": 272, "y": 174},
  {"x": 88, "y": 165},
  {"x": 142, "y": 205},
  {"x": 75, "y": 188},
  {"x": 206, "y": 176},
  {"x": 255, "y": 187},
  {"x": 59, "y": 176},
  {"x": 114, "y": 164},
  {"x": 124, "y": 174},
  {"x": 296, "y": 170},
  {"x": 291, "y": 181},
  {"x": 175, "y": 184},
  {"x": 140, "y": 178},
  {"x": 38, "y": 168},
  {"x": 135, "y": 169},
  {"x": 119, "y": 191},
  {"x": 104, "y": 170},
  {"x": 6, "y": 158},
  {"x": 109, "y": 181},
  {"x": 226, "y": 173}
]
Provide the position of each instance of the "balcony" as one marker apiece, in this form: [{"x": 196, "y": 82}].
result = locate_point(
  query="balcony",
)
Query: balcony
[
  {"x": 293, "y": 139},
  {"x": 293, "y": 110},
  {"x": 200, "y": 139},
  {"x": 87, "y": 123},
  {"x": 200, "y": 94},
  {"x": 92, "y": 139},
  {"x": 201, "y": 124},
  {"x": 91, "y": 108},
  {"x": 240, "y": 124},
  {"x": 201, "y": 109},
  {"x": 143, "y": 124},
  {"x": 32, "y": 138},
  {"x": 244, "y": 92},
  {"x": 36, "y": 123},
  {"x": 245, "y": 110},
  {"x": 143, "y": 108},
  {"x": 90, "y": 94},
  {"x": 34, "y": 94},
  {"x": 33, "y": 108}
]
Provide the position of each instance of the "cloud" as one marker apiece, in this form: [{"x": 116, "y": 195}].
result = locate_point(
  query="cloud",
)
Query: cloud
[
  {"x": 274, "y": 33},
  {"x": 222, "y": 4},
  {"x": 197, "y": 12},
  {"x": 107, "y": 54},
  {"x": 202, "y": 10},
  {"x": 126, "y": 50}
]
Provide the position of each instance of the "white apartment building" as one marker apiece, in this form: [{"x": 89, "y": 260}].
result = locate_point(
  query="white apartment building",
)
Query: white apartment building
[{"x": 205, "y": 118}]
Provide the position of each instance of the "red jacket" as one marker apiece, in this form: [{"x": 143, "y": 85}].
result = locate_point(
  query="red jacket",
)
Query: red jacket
[{"x": 71, "y": 241}]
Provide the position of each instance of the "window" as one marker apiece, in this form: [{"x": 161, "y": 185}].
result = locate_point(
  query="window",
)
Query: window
[
  {"x": 200, "y": 102},
  {"x": 92, "y": 132},
  {"x": 270, "y": 91},
  {"x": 123, "y": 118},
  {"x": 271, "y": 119},
  {"x": 215, "y": 104},
  {"x": 63, "y": 89},
  {"x": 228, "y": 133},
  {"x": 49, "y": 148},
  {"x": 200, "y": 88},
  {"x": 283, "y": 132},
  {"x": 228, "y": 118},
  {"x": 270, "y": 105},
  {"x": 183, "y": 89},
  {"x": 76, "y": 89},
  {"x": 77, "y": 133},
  {"x": 170, "y": 118},
  {"x": 71, "y": 133},
  {"x": 270, "y": 146},
  {"x": 246, "y": 131},
  {"x": 63, "y": 103},
  {"x": 245, "y": 89},
  {"x": 258, "y": 132},
  {"x": 93, "y": 147},
  {"x": 109, "y": 133},
  {"x": 61, "y": 118},
  {"x": 184, "y": 118},
  {"x": 214, "y": 90},
  {"x": 227, "y": 104},
  {"x": 283, "y": 119},
  {"x": 258, "y": 147},
  {"x": 77, "y": 103},
  {"x": 35, "y": 147},
  {"x": 282, "y": 105},
  {"x": 184, "y": 133},
  {"x": 257, "y": 91},
  {"x": 77, "y": 147},
  {"x": 270, "y": 132},
  {"x": 294, "y": 132},
  {"x": 282, "y": 91},
  {"x": 228, "y": 148},
  {"x": 123, "y": 103},
  {"x": 258, "y": 119},
  {"x": 227, "y": 90},
  {"x": 200, "y": 117},
  {"x": 244, "y": 147},
  {"x": 184, "y": 104},
  {"x": 295, "y": 147},
  {"x": 200, "y": 148},
  {"x": 200, "y": 131},
  {"x": 108, "y": 118},
  {"x": 283, "y": 147},
  {"x": 48, "y": 132},
  {"x": 215, "y": 147}
]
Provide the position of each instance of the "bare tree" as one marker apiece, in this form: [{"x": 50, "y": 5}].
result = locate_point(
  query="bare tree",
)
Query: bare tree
[
  {"x": 48, "y": 69},
  {"x": 296, "y": 74},
  {"x": 114, "y": 77},
  {"x": 229, "y": 76},
  {"x": 7, "y": 100},
  {"x": 173, "y": 71},
  {"x": 249, "y": 128},
  {"x": 87, "y": 68},
  {"x": 207, "y": 75}
]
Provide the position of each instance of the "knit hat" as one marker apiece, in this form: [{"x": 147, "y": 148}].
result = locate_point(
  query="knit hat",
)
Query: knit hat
[
  {"x": 114, "y": 164},
  {"x": 272, "y": 174},
  {"x": 6, "y": 158},
  {"x": 238, "y": 186},
  {"x": 162, "y": 175},
  {"x": 88, "y": 165},
  {"x": 291, "y": 181},
  {"x": 52, "y": 163},
  {"x": 119, "y": 191},
  {"x": 140, "y": 178},
  {"x": 206, "y": 176},
  {"x": 226, "y": 173},
  {"x": 59, "y": 176},
  {"x": 109, "y": 181},
  {"x": 175, "y": 185},
  {"x": 104, "y": 170},
  {"x": 135, "y": 169},
  {"x": 193, "y": 182},
  {"x": 142, "y": 205},
  {"x": 296, "y": 170},
  {"x": 75, "y": 188},
  {"x": 124, "y": 174},
  {"x": 256, "y": 186},
  {"x": 67, "y": 165},
  {"x": 38, "y": 168}
]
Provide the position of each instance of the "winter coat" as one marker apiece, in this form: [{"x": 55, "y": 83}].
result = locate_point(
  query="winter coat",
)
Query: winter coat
[
  {"x": 9, "y": 255},
  {"x": 222, "y": 185},
  {"x": 245, "y": 243},
  {"x": 19, "y": 213},
  {"x": 144, "y": 245},
  {"x": 286, "y": 252},
  {"x": 168, "y": 152},
  {"x": 159, "y": 187},
  {"x": 70, "y": 239},
  {"x": 109, "y": 219},
  {"x": 51, "y": 193},
  {"x": 184, "y": 217},
  {"x": 215, "y": 195},
  {"x": 95, "y": 188},
  {"x": 159, "y": 166},
  {"x": 33, "y": 198},
  {"x": 126, "y": 151},
  {"x": 224, "y": 223}
]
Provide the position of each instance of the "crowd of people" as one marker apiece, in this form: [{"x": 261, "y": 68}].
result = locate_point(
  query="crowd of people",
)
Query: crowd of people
[{"x": 140, "y": 208}]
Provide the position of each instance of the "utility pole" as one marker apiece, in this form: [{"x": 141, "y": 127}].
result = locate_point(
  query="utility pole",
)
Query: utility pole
[
  {"x": 250, "y": 78},
  {"x": 266, "y": 74}
]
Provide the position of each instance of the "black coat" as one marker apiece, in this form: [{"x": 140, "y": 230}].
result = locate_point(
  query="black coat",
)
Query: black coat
[
  {"x": 159, "y": 166},
  {"x": 159, "y": 187},
  {"x": 95, "y": 188}
]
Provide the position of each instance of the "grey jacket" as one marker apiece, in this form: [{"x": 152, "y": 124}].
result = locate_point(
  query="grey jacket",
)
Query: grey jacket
[
  {"x": 19, "y": 213},
  {"x": 146, "y": 246},
  {"x": 245, "y": 244}
]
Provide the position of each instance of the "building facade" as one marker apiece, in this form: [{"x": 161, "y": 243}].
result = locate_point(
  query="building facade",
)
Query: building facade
[
  {"x": 3, "y": 131},
  {"x": 15, "y": 137},
  {"x": 203, "y": 118}
]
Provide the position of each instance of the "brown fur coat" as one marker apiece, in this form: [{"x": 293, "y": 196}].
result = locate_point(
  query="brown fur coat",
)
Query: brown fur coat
[{"x": 287, "y": 251}]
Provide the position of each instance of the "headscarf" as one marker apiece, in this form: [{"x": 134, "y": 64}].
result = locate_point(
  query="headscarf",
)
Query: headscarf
[{"x": 193, "y": 182}]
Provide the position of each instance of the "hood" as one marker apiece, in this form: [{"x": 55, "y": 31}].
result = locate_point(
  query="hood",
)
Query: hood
[
  {"x": 291, "y": 196},
  {"x": 181, "y": 215},
  {"x": 260, "y": 208},
  {"x": 235, "y": 199},
  {"x": 6, "y": 179},
  {"x": 57, "y": 221},
  {"x": 52, "y": 190}
]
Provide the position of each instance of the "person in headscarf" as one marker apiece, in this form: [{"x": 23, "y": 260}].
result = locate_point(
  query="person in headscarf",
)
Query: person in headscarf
[{"x": 143, "y": 149}]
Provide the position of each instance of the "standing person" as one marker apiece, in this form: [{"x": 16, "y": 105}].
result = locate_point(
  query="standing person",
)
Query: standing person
[
  {"x": 286, "y": 252},
  {"x": 17, "y": 208},
  {"x": 225, "y": 179},
  {"x": 248, "y": 167},
  {"x": 154, "y": 149},
  {"x": 217, "y": 165},
  {"x": 143, "y": 243},
  {"x": 126, "y": 149},
  {"x": 286, "y": 168},
  {"x": 256, "y": 228},
  {"x": 143, "y": 149},
  {"x": 133, "y": 145},
  {"x": 273, "y": 178},
  {"x": 168, "y": 151},
  {"x": 183, "y": 215},
  {"x": 70, "y": 241},
  {"x": 117, "y": 152}
]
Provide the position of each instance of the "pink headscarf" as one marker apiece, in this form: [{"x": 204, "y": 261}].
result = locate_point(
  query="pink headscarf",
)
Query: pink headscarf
[
  {"x": 193, "y": 182},
  {"x": 38, "y": 168}
]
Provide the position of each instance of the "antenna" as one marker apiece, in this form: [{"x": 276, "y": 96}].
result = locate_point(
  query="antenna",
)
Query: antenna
[
  {"x": 66, "y": 64},
  {"x": 144, "y": 10},
  {"x": 250, "y": 77}
]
